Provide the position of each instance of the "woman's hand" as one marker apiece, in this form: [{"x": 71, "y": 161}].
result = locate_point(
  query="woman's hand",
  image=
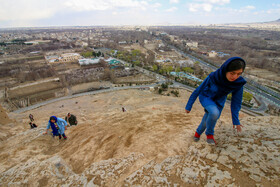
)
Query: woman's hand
[
  {"x": 238, "y": 127},
  {"x": 187, "y": 111}
]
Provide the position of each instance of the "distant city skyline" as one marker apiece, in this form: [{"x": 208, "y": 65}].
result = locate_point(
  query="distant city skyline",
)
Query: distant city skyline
[{"x": 38, "y": 13}]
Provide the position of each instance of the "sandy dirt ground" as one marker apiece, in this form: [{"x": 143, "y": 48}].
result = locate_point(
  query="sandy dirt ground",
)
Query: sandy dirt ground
[{"x": 149, "y": 145}]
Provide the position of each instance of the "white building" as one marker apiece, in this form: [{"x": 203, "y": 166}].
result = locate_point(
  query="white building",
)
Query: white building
[
  {"x": 52, "y": 58},
  {"x": 122, "y": 42},
  {"x": 83, "y": 62},
  {"x": 192, "y": 44},
  {"x": 36, "y": 42},
  {"x": 69, "y": 57},
  {"x": 212, "y": 54},
  {"x": 103, "y": 40},
  {"x": 81, "y": 43}
]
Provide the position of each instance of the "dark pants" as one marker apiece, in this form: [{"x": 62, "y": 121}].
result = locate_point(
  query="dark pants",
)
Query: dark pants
[{"x": 62, "y": 135}]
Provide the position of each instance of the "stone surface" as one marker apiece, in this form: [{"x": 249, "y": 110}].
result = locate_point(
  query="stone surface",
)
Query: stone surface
[{"x": 149, "y": 145}]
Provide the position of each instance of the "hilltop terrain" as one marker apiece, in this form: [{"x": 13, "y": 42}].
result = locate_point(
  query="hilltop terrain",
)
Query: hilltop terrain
[{"x": 149, "y": 145}]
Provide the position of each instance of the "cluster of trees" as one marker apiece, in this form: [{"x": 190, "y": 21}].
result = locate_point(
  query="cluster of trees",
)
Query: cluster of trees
[
  {"x": 175, "y": 92},
  {"x": 114, "y": 36},
  {"x": 129, "y": 36},
  {"x": 21, "y": 48},
  {"x": 135, "y": 57},
  {"x": 83, "y": 75},
  {"x": 14, "y": 42},
  {"x": 161, "y": 69},
  {"x": 88, "y": 54},
  {"x": 166, "y": 69},
  {"x": 164, "y": 87},
  {"x": 44, "y": 47},
  {"x": 22, "y": 71},
  {"x": 35, "y": 74},
  {"x": 247, "y": 97}
]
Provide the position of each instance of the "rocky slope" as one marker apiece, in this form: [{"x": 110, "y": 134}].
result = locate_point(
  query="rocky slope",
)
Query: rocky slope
[{"x": 149, "y": 145}]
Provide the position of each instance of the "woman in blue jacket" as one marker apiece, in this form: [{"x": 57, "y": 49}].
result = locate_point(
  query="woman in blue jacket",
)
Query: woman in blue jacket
[
  {"x": 58, "y": 126},
  {"x": 213, "y": 93}
]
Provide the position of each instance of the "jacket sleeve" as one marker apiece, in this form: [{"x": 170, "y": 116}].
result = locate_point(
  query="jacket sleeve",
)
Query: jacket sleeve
[
  {"x": 63, "y": 122},
  {"x": 235, "y": 106},
  {"x": 196, "y": 93},
  {"x": 49, "y": 125}
]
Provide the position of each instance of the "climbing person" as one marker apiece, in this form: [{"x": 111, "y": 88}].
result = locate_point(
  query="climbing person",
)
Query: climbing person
[
  {"x": 32, "y": 125},
  {"x": 31, "y": 117},
  {"x": 58, "y": 126},
  {"x": 123, "y": 109},
  {"x": 213, "y": 93},
  {"x": 71, "y": 119}
]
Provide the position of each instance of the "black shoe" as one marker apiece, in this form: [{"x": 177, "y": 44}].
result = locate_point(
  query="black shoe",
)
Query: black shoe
[{"x": 196, "y": 139}]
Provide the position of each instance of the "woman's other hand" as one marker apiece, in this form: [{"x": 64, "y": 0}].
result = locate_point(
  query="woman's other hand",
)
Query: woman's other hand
[{"x": 238, "y": 127}]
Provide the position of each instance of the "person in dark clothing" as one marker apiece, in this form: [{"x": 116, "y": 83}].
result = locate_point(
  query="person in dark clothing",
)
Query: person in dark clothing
[
  {"x": 32, "y": 125},
  {"x": 71, "y": 119},
  {"x": 213, "y": 93},
  {"x": 31, "y": 117},
  {"x": 123, "y": 109}
]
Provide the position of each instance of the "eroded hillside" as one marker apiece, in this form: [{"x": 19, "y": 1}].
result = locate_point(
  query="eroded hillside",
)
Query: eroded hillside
[{"x": 150, "y": 144}]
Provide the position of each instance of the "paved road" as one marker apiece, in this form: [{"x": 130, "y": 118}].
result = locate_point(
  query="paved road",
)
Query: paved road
[{"x": 269, "y": 98}]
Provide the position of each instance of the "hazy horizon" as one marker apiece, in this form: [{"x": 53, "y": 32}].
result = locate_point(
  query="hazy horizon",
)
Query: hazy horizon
[{"x": 56, "y": 13}]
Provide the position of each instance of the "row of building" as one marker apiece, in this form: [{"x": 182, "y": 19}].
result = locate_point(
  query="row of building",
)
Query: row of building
[
  {"x": 75, "y": 57},
  {"x": 66, "y": 57}
]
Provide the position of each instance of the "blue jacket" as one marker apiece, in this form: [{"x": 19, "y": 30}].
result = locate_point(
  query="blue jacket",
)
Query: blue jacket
[
  {"x": 61, "y": 123},
  {"x": 207, "y": 92}
]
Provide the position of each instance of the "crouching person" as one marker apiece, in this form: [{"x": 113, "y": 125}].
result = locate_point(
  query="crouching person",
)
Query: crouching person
[
  {"x": 58, "y": 126},
  {"x": 71, "y": 119},
  {"x": 32, "y": 125}
]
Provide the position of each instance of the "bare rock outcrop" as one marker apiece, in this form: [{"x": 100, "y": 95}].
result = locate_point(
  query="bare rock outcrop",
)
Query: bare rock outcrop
[{"x": 149, "y": 145}]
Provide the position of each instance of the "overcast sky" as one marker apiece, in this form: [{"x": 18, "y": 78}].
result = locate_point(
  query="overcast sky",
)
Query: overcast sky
[{"x": 38, "y": 13}]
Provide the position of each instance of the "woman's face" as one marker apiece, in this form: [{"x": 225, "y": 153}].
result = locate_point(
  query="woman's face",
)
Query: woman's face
[{"x": 233, "y": 75}]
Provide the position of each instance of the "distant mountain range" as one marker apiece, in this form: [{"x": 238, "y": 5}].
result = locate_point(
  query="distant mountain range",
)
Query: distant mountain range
[
  {"x": 254, "y": 23},
  {"x": 273, "y": 22},
  {"x": 270, "y": 25}
]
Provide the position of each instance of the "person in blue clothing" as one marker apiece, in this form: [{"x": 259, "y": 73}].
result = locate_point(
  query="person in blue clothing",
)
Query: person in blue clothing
[
  {"x": 58, "y": 126},
  {"x": 213, "y": 93}
]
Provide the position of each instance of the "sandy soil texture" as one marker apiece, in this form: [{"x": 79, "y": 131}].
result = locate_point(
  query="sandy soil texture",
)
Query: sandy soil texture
[{"x": 149, "y": 145}]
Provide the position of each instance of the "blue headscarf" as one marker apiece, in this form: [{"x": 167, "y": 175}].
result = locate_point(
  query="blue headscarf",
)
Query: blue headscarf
[
  {"x": 219, "y": 78},
  {"x": 54, "y": 129}
]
